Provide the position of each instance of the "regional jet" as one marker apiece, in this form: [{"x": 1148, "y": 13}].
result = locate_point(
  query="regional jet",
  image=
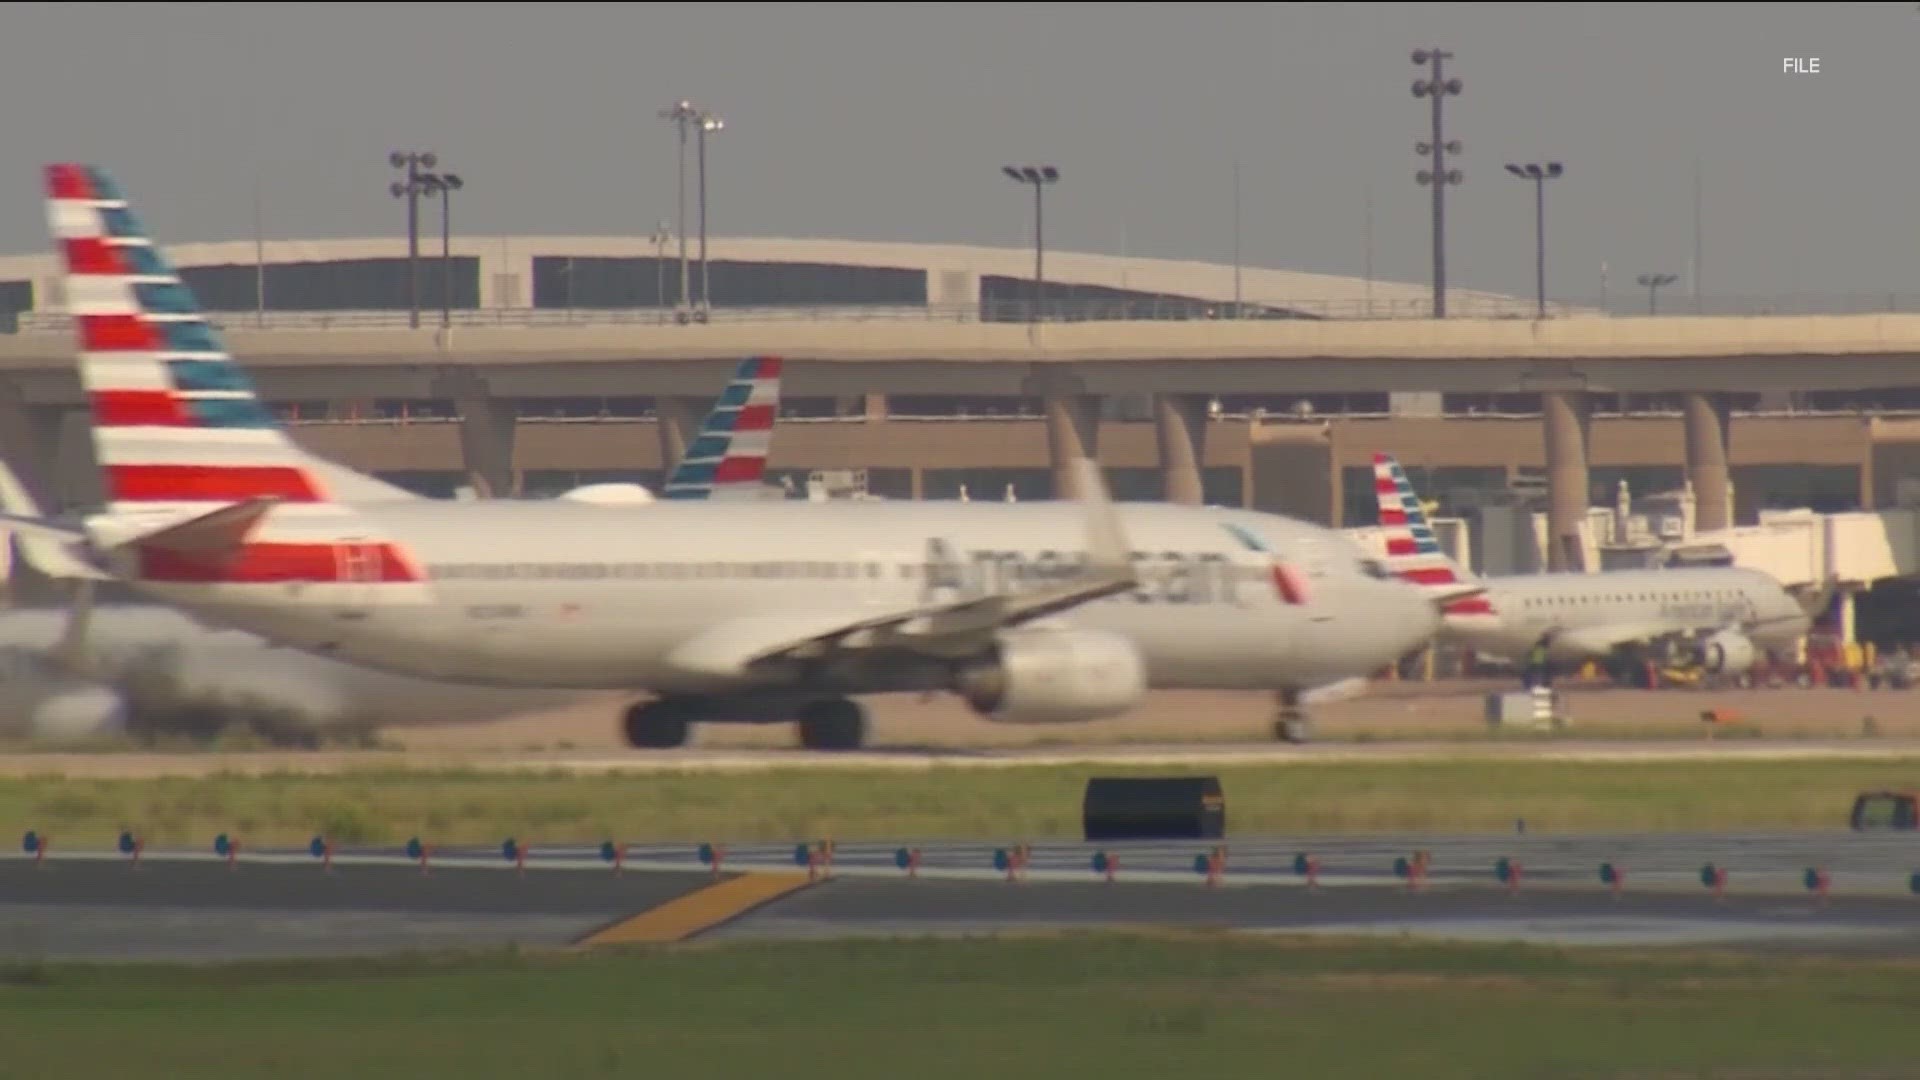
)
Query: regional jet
[{"x": 1716, "y": 618}]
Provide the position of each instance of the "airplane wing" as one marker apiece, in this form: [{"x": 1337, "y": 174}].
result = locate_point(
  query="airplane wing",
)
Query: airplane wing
[
  {"x": 59, "y": 559},
  {"x": 954, "y": 627},
  {"x": 1599, "y": 641},
  {"x": 39, "y": 528},
  {"x": 1596, "y": 642}
]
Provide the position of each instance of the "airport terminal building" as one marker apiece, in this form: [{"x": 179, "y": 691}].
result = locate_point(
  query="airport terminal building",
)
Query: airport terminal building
[{"x": 916, "y": 436}]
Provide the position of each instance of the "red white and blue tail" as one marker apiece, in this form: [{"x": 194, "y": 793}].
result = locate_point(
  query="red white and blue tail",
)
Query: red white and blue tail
[
  {"x": 729, "y": 458},
  {"x": 178, "y": 430},
  {"x": 1413, "y": 552},
  {"x": 176, "y": 422}
]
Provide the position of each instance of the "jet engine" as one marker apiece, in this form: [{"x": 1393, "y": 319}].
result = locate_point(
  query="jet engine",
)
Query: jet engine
[
  {"x": 1054, "y": 677},
  {"x": 79, "y": 712},
  {"x": 1726, "y": 651}
]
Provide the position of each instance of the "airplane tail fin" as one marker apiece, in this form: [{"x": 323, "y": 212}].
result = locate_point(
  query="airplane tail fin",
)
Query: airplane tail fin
[
  {"x": 1413, "y": 552},
  {"x": 182, "y": 440},
  {"x": 728, "y": 459},
  {"x": 176, "y": 423}
]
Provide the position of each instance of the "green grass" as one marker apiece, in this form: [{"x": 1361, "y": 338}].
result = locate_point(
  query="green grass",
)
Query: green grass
[
  {"x": 1081, "y": 1005},
  {"x": 952, "y": 803}
]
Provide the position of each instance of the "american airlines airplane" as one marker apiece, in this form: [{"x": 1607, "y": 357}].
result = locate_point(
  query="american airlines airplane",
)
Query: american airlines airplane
[
  {"x": 1717, "y": 618},
  {"x": 725, "y": 611},
  {"x": 93, "y": 671}
]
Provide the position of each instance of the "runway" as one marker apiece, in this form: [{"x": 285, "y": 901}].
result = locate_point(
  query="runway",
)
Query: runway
[
  {"x": 195, "y": 906},
  {"x": 1210, "y": 755}
]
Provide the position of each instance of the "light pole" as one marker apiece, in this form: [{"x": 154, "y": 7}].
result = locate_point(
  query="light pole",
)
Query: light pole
[
  {"x": 708, "y": 122},
  {"x": 1539, "y": 174},
  {"x": 682, "y": 113},
  {"x": 1438, "y": 88},
  {"x": 444, "y": 185},
  {"x": 1039, "y": 176},
  {"x": 410, "y": 190},
  {"x": 1652, "y": 283},
  {"x": 661, "y": 234}
]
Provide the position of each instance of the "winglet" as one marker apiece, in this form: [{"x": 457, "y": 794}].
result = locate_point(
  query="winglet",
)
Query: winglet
[
  {"x": 1108, "y": 553},
  {"x": 55, "y": 558}
]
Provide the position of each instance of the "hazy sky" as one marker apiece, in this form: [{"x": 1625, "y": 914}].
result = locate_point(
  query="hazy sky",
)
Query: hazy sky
[{"x": 890, "y": 122}]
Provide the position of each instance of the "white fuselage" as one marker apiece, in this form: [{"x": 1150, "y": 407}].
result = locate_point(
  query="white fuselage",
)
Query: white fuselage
[
  {"x": 1633, "y": 604},
  {"x": 546, "y": 594}
]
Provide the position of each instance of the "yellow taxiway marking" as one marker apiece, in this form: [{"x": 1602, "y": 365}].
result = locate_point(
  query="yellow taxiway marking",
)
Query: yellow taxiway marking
[{"x": 682, "y": 917}]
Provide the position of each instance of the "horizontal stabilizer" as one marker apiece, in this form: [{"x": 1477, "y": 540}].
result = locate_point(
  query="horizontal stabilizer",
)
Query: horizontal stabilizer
[
  {"x": 210, "y": 540},
  {"x": 1443, "y": 595}
]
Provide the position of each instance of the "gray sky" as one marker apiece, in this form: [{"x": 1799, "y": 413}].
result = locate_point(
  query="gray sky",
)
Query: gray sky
[{"x": 890, "y": 122}]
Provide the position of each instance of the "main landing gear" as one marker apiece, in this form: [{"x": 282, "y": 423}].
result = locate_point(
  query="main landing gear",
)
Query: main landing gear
[
  {"x": 1292, "y": 725},
  {"x": 833, "y": 724},
  {"x": 824, "y": 723},
  {"x": 658, "y": 725}
]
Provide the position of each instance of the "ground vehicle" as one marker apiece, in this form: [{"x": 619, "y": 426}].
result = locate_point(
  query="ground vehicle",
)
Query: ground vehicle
[{"x": 1874, "y": 811}]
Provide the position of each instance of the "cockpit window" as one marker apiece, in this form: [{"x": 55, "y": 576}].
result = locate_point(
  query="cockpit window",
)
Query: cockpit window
[{"x": 1374, "y": 568}]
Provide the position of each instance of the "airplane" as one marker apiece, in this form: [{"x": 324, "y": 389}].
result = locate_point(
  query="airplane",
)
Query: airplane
[
  {"x": 723, "y": 611},
  {"x": 101, "y": 670},
  {"x": 1715, "y": 618},
  {"x": 728, "y": 459}
]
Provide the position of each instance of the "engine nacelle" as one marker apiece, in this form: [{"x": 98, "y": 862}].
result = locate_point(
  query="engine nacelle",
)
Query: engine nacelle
[
  {"x": 1055, "y": 677},
  {"x": 79, "y": 712},
  {"x": 1726, "y": 651}
]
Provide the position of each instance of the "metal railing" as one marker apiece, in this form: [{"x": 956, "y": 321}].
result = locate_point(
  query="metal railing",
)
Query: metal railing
[
  {"x": 1276, "y": 418},
  {"x": 1355, "y": 309},
  {"x": 989, "y": 311}
]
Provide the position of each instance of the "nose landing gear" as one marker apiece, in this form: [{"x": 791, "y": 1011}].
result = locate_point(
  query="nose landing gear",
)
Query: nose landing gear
[{"x": 1292, "y": 724}]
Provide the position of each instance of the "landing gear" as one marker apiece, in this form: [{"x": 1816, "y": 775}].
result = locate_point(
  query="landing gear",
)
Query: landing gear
[
  {"x": 1292, "y": 725},
  {"x": 656, "y": 725},
  {"x": 833, "y": 724}
]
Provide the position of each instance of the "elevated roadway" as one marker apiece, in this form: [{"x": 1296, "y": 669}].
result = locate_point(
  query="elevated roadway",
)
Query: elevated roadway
[
  {"x": 1071, "y": 366},
  {"x": 1253, "y": 356}
]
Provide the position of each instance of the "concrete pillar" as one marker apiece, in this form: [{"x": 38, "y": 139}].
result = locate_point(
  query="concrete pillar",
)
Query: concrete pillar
[
  {"x": 76, "y": 479},
  {"x": 486, "y": 445},
  {"x": 1567, "y": 428},
  {"x": 1708, "y": 420},
  {"x": 486, "y": 433},
  {"x": 675, "y": 418},
  {"x": 1073, "y": 430},
  {"x": 876, "y": 408},
  {"x": 1180, "y": 425}
]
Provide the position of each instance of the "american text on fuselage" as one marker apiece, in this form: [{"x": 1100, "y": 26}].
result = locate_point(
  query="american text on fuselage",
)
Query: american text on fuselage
[{"x": 1167, "y": 577}]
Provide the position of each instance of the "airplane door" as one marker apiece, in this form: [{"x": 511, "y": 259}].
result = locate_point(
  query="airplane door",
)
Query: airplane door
[
  {"x": 358, "y": 565},
  {"x": 872, "y": 576}
]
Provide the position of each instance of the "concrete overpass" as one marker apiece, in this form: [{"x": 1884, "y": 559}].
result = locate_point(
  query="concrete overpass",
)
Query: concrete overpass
[{"x": 1070, "y": 366}]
